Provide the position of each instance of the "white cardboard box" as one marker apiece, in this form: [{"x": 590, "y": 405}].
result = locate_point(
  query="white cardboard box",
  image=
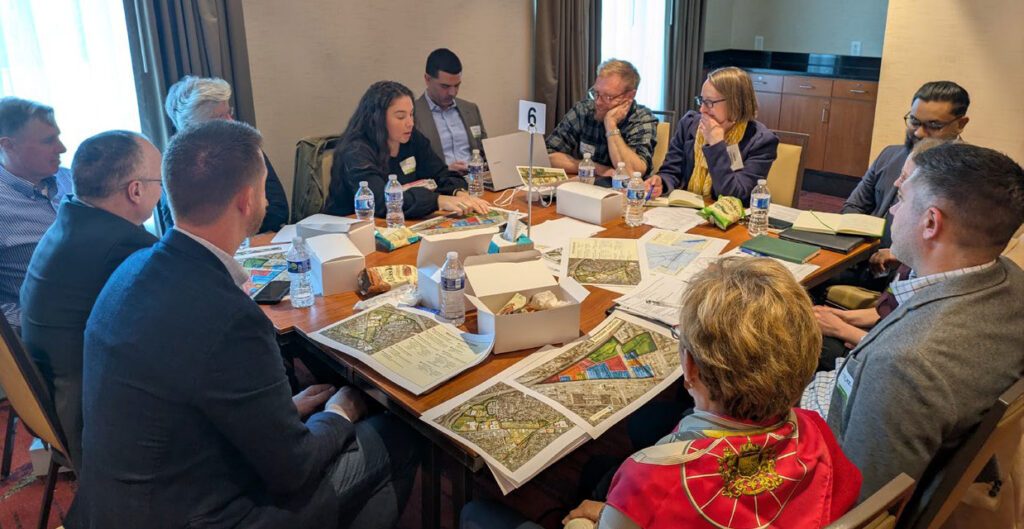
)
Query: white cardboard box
[
  {"x": 336, "y": 263},
  {"x": 360, "y": 231},
  {"x": 434, "y": 249},
  {"x": 589, "y": 203},
  {"x": 495, "y": 278}
]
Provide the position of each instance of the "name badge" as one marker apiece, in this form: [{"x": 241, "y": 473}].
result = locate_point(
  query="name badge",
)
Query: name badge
[
  {"x": 845, "y": 381},
  {"x": 586, "y": 147},
  {"x": 735, "y": 158},
  {"x": 408, "y": 165},
  {"x": 475, "y": 131}
]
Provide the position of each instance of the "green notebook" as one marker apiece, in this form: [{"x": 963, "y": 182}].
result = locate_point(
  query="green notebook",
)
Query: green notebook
[{"x": 793, "y": 252}]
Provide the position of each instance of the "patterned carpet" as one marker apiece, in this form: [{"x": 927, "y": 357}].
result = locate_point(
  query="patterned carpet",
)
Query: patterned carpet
[{"x": 21, "y": 494}]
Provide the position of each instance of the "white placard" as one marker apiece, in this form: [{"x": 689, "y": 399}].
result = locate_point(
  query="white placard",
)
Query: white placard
[{"x": 531, "y": 114}]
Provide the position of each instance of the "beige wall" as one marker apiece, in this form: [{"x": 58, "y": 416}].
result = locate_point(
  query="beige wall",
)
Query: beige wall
[
  {"x": 802, "y": 26},
  {"x": 311, "y": 64},
  {"x": 981, "y": 48}
]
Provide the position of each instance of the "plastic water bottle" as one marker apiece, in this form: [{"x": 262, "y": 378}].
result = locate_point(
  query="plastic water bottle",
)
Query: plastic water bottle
[
  {"x": 453, "y": 290},
  {"x": 299, "y": 269},
  {"x": 476, "y": 174},
  {"x": 636, "y": 191},
  {"x": 364, "y": 202},
  {"x": 760, "y": 197},
  {"x": 587, "y": 169},
  {"x": 620, "y": 179},
  {"x": 393, "y": 195}
]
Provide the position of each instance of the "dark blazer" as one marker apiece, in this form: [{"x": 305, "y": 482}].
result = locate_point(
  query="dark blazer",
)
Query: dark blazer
[
  {"x": 758, "y": 148},
  {"x": 470, "y": 118},
  {"x": 189, "y": 420},
  {"x": 277, "y": 204},
  {"x": 356, "y": 161},
  {"x": 875, "y": 192},
  {"x": 68, "y": 269}
]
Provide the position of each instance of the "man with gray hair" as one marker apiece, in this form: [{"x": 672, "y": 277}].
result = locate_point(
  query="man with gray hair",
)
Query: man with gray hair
[
  {"x": 32, "y": 184},
  {"x": 117, "y": 182},
  {"x": 197, "y": 99},
  {"x": 609, "y": 125}
]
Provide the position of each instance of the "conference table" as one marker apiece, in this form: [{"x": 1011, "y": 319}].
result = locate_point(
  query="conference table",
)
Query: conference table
[{"x": 295, "y": 325}]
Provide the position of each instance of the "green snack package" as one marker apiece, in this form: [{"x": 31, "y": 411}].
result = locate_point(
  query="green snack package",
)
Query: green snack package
[
  {"x": 725, "y": 212},
  {"x": 390, "y": 239}
]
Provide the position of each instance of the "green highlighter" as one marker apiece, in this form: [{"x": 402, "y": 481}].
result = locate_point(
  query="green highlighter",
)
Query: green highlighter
[{"x": 793, "y": 252}]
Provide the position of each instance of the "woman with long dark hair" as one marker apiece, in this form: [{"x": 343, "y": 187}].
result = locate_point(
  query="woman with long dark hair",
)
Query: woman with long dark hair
[{"x": 380, "y": 140}]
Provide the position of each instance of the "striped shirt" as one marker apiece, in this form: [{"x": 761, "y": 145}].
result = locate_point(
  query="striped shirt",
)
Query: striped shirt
[
  {"x": 580, "y": 132},
  {"x": 26, "y": 212}
]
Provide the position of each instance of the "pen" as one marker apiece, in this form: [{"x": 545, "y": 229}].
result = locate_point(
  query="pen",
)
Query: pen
[
  {"x": 662, "y": 304},
  {"x": 752, "y": 252},
  {"x": 649, "y": 193}
]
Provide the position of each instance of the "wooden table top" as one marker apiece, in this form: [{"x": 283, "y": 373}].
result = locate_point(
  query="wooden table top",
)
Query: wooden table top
[{"x": 330, "y": 309}]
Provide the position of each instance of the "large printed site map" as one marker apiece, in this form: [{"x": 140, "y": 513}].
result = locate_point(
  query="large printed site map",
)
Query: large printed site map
[
  {"x": 616, "y": 365},
  {"x": 509, "y": 425},
  {"x": 378, "y": 329}
]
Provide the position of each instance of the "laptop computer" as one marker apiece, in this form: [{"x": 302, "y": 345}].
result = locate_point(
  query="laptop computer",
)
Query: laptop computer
[{"x": 504, "y": 153}]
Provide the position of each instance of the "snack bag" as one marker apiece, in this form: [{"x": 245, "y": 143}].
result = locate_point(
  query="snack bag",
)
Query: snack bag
[
  {"x": 379, "y": 279},
  {"x": 725, "y": 212}
]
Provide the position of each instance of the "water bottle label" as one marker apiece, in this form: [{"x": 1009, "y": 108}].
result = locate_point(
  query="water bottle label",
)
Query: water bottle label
[
  {"x": 364, "y": 203},
  {"x": 635, "y": 194},
  {"x": 393, "y": 196},
  {"x": 760, "y": 202},
  {"x": 619, "y": 183},
  {"x": 452, "y": 283},
  {"x": 298, "y": 267},
  {"x": 586, "y": 173}
]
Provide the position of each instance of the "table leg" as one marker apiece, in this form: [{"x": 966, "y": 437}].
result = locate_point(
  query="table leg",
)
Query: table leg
[{"x": 430, "y": 484}]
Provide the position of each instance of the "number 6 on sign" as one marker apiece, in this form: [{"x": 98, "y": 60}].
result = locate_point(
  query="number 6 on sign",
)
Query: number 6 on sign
[{"x": 531, "y": 114}]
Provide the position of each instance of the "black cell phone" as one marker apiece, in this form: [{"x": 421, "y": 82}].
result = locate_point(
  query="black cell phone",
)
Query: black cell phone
[{"x": 273, "y": 293}]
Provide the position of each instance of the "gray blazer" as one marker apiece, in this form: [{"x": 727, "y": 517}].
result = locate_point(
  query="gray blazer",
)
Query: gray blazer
[
  {"x": 924, "y": 376},
  {"x": 470, "y": 117}
]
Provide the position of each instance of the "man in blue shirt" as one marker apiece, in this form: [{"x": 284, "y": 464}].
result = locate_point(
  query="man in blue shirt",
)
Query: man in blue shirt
[
  {"x": 452, "y": 125},
  {"x": 32, "y": 184}
]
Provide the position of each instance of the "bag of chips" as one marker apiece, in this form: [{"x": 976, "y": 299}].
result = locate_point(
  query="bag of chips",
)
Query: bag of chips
[
  {"x": 390, "y": 239},
  {"x": 379, "y": 279},
  {"x": 725, "y": 212}
]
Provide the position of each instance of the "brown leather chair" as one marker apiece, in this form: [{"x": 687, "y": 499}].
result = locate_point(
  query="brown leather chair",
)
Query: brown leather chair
[
  {"x": 881, "y": 509},
  {"x": 1000, "y": 422},
  {"x": 30, "y": 399}
]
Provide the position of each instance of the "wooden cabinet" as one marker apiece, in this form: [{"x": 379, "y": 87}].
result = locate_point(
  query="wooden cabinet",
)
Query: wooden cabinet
[
  {"x": 837, "y": 115},
  {"x": 808, "y": 115}
]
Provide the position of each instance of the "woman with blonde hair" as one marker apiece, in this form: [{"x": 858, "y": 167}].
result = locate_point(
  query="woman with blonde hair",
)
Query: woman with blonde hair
[{"x": 718, "y": 149}]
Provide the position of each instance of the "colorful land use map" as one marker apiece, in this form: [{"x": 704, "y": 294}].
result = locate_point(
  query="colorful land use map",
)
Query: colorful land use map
[
  {"x": 509, "y": 425},
  {"x": 452, "y": 223},
  {"x": 603, "y": 262},
  {"x": 617, "y": 364},
  {"x": 542, "y": 176},
  {"x": 263, "y": 268}
]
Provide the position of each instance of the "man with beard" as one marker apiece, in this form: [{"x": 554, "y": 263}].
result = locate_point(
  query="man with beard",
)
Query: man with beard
[{"x": 189, "y": 420}]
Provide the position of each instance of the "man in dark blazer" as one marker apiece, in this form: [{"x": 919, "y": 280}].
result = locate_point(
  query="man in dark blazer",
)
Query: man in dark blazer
[
  {"x": 452, "y": 125},
  {"x": 116, "y": 177},
  {"x": 189, "y": 421}
]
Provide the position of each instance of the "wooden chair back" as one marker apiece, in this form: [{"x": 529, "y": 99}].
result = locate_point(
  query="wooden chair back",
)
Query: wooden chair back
[
  {"x": 26, "y": 389},
  {"x": 786, "y": 176},
  {"x": 881, "y": 509},
  {"x": 1001, "y": 422}
]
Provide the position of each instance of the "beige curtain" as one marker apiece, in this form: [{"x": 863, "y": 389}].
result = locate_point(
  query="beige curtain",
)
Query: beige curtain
[
  {"x": 568, "y": 50},
  {"x": 170, "y": 39},
  {"x": 684, "y": 62}
]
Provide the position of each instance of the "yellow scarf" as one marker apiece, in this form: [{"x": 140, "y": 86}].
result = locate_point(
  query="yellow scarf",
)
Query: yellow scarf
[{"x": 700, "y": 179}]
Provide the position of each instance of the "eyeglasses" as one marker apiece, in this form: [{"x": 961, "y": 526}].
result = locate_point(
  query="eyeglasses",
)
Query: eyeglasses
[
  {"x": 128, "y": 183},
  {"x": 595, "y": 95},
  {"x": 934, "y": 126},
  {"x": 710, "y": 103}
]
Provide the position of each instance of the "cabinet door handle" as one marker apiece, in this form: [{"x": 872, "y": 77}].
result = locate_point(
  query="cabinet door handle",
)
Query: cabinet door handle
[
  {"x": 806, "y": 87},
  {"x": 823, "y": 112},
  {"x": 855, "y": 91}
]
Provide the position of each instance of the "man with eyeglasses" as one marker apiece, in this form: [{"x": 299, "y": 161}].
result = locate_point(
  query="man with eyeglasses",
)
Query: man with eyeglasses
[
  {"x": 32, "y": 184},
  {"x": 609, "y": 125},
  {"x": 116, "y": 178},
  {"x": 938, "y": 110}
]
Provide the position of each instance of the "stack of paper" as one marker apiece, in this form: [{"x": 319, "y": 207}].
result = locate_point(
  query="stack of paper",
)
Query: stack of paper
[
  {"x": 672, "y": 253},
  {"x": 544, "y": 406},
  {"x": 675, "y": 219}
]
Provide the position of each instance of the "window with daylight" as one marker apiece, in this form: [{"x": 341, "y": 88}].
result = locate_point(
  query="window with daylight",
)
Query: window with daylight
[
  {"x": 634, "y": 30},
  {"x": 72, "y": 55}
]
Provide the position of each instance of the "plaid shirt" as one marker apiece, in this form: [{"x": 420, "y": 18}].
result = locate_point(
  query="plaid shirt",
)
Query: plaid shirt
[
  {"x": 579, "y": 132},
  {"x": 904, "y": 289}
]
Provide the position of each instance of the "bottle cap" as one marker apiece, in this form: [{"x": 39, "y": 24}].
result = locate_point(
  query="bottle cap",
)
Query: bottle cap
[
  {"x": 762, "y": 182},
  {"x": 622, "y": 165},
  {"x": 297, "y": 241},
  {"x": 392, "y": 177},
  {"x": 453, "y": 255},
  {"x": 476, "y": 151},
  {"x": 362, "y": 183},
  {"x": 586, "y": 156},
  {"x": 636, "y": 174}
]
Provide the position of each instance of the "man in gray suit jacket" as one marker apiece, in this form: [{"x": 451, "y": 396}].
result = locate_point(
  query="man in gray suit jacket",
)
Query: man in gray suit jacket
[
  {"x": 452, "y": 125},
  {"x": 919, "y": 382}
]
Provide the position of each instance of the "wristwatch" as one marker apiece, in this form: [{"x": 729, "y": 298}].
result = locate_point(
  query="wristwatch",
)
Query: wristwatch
[{"x": 613, "y": 132}]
